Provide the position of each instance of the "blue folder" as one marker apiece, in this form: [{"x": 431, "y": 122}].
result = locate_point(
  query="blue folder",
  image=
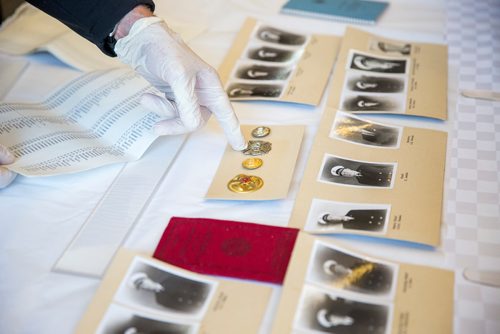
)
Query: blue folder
[{"x": 352, "y": 11}]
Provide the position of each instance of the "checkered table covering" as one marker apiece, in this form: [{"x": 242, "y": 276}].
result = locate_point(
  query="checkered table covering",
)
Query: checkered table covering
[{"x": 472, "y": 205}]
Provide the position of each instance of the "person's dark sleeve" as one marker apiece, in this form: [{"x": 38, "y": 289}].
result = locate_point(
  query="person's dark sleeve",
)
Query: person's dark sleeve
[{"x": 92, "y": 19}]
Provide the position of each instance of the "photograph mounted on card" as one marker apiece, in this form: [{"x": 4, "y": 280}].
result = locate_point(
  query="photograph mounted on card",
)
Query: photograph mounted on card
[
  {"x": 322, "y": 311},
  {"x": 271, "y": 63},
  {"x": 123, "y": 319},
  {"x": 140, "y": 294},
  {"x": 341, "y": 270},
  {"x": 355, "y": 173},
  {"x": 389, "y": 76},
  {"x": 369, "y": 63},
  {"x": 263, "y": 171},
  {"x": 165, "y": 291},
  {"x": 330, "y": 288},
  {"x": 326, "y": 216},
  {"x": 356, "y": 130}
]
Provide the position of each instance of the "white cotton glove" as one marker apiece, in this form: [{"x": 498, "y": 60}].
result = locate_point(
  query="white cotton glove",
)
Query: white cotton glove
[
  {"x": 192, "y": 88},
  {"x": 6, "y": 176}
]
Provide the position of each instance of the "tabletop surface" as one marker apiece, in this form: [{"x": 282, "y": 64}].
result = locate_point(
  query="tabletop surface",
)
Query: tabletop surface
[{"x": 40, "y": 216}]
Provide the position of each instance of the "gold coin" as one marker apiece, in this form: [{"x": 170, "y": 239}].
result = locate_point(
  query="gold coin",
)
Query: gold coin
[
  {"x": 252, "y": 163},
  {"x": 242, "y": 183},
  {"x": 261, "y": 132}
]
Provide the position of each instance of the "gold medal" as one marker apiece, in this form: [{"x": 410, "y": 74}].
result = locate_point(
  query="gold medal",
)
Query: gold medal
[
  {"x": 242, "y": 183},
  {"x": 257, "y": 147},
  {"x": 261, "y": 132},
  {"x": 252, "y": 163}
]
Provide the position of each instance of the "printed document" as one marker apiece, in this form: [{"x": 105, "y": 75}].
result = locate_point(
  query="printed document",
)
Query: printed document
[{"x": 96, "y": 119}]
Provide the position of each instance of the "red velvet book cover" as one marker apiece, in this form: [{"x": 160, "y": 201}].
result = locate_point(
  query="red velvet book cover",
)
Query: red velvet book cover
[{"x": 228, "y": 248}]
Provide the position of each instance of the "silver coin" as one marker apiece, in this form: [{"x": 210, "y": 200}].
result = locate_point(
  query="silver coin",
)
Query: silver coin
[{"x": 261, "y": 132}]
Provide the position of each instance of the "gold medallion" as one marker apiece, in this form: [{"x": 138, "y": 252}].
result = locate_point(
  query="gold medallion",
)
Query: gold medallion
[
  {"x": 242, "y": 183},
  {"x": 261, "y": 132},
  {"x": 257, "y": 147},
  {"x": 252, "y": 163}
]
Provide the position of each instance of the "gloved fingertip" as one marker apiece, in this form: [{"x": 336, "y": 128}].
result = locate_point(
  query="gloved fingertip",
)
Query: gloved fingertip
[
  {"x": 159, "y": 130},
  {"x": 6, "y": 177},
  {"x": 6, "y": 157},
  {"x": 238, "y": 144}
]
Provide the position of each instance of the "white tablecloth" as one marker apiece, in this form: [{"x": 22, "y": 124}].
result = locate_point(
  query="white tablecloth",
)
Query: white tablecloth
[{"x": 40, "y": 216}]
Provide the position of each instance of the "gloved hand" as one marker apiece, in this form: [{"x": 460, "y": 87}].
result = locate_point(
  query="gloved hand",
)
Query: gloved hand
[
  {"x": 162, "y": 58},
  {"x": 6, "y": 176}
]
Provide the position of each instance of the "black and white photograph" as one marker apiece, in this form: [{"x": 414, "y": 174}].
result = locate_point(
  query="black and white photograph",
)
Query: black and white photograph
[
  {"x": 166, "y": 290},
  {"x": 278, "y": 36},
  {"x": 337, "y": 170},
  {"x": 321, "y": 311},
  {"x": 237, "y": 90},
  {"x": 391, "y": 48},
  {"x": 386, "y": 103},
  {"x": 334, "y": 268},
  {"x": 359, "y": 131},
  {"x": 370, "y": 63},
  {"x": 367, "y": 83},
  {"x": 343, "y": 217},
  {"x": 261, "y": 72},
  {"x": 122, "y": 320},
  {"x": 271, "y": 54}
]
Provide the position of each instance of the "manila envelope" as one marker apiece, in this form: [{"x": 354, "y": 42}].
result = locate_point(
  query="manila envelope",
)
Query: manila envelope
[
  {"x": 308, "y": 65},
  {"x": 329, "y": 287}
]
